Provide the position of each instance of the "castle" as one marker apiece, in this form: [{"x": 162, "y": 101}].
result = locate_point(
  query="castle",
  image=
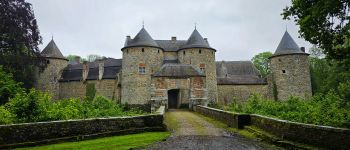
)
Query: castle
[{"x": 176, "y": 73}]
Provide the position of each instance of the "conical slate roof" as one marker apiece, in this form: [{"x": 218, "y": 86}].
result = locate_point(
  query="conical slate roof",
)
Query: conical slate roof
[
  {"x": 141, "y": 39},
  {"x": 51, "y": 50},
  {"x": 287, "y": 46},
  {"x": 196, "y": 41}
]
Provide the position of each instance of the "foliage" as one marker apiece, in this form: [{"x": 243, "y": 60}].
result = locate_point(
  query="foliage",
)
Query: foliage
[
  {"x": 8, "y": 87},
  {"x": 30, "y": 107},
  {"x": 93, "y": 57},
  {"x": 37, "y": 106},
  {"x": 89, "y": 58},
  {"x": 260, "y": 61},
  {"x": 19, "y": 36},
  {"x": 324, "y": 23},
  {"x": 90, "y": 91},
  {"x": 125, "y": 142},
  {"x": 321, "y": 109}
]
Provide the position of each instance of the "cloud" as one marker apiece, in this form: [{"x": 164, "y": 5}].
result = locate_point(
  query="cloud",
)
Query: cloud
[{"x": 237, "y": 29}]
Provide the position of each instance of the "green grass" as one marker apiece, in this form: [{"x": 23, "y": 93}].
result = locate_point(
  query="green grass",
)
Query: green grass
[{"x": 124, "y": 142}]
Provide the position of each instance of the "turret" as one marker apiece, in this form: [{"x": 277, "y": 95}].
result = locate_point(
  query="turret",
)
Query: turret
[
  {"x": 142, "y": 56},
  {"x": 198, "y": 53},
  {"x": 290, "y": 73},
  {"x": 55, "y": 62}
]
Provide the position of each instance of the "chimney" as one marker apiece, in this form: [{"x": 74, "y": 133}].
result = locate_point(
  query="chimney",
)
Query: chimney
[
  {"x": 302, "y": 49},
  {"x": 100, "y": 68},
  {"x": 77, "y": 59},
  {"x": 173, "y": 38},
  {"x": 85, "y": 70},
  {"x": 128, "y": 37},
  {"x": 206, "y": 40}
]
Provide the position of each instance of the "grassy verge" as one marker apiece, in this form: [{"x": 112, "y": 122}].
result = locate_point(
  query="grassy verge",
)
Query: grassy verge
[{"x": 124, "y": 142}]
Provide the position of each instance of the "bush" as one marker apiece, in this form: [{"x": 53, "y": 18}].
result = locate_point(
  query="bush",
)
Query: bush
[
  {"x": 320, "y": 109},
  {"x": 6, "y": 117},
  {"x": 8, "y": 87}
]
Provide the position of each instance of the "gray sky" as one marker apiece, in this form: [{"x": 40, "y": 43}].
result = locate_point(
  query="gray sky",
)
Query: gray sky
[{"x": 238, "y": 29}]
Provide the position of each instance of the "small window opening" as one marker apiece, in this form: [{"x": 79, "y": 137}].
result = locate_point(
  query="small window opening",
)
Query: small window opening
[
  {"x": 283, "y": 71},
  {"x": 47, "y": 61},
  {"x": 200, "y": 51},
  {"x": 279, "y": 59},
  {"x": 184, "y": 53},
  {"x": 158, "y": 51},
  {"x": 202, "y": 68},
  {"x": 142, "y": 68},
  {"x": 143, "y": 50},
  {"x": 127, "y": 51}
]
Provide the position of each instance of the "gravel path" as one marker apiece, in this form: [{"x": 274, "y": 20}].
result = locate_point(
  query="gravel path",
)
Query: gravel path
[{"x": 191, "y": 131}]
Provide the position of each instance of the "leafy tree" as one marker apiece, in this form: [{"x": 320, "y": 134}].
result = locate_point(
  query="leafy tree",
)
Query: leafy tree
[
  {"x": 8, "y": 87},
  {"x": 19, "y": 40},
  {"x": 261, "y": 62},
  {"x": 326, "y": 24},
  {"x": 93, "y": 57}
]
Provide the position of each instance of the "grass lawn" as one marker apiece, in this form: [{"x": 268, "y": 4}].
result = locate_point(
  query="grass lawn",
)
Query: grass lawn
[{"x": 116, "y": 142}]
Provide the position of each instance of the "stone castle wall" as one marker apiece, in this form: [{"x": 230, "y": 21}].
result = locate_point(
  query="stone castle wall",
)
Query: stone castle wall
[
  {"x": 170, "y": 55},
  {"x": 106, "y": 87},
  {"x": 198, "y": 56},
  {"x": 290, "y": 76},
  {"x": 137, "y": 87},
  {"x": 239, "y": 93},
  {"x": 48, "y": 79}
]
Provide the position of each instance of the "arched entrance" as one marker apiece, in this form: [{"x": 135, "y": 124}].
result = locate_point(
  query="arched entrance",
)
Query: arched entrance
[{"x": 173, "y": 98}]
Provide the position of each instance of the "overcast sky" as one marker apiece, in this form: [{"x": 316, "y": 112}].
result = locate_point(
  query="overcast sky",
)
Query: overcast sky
[{"x": 238, "y": 29}]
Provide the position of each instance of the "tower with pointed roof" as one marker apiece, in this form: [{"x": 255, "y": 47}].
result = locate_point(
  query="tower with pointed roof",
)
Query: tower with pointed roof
[
  {"x": 142, "y": 56},
  {"x": 290, "y": 73},
  {"x": 55, "y": 63}
]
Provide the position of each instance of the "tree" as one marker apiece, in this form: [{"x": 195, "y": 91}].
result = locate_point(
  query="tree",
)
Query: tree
[
  {"x": 326, "y": 24},
  {"x": 93, "y": 57},
  {"x": 8, "y": 87},
  {"x": 19, "y": 40},
  {"x": 260, "y": 61}
]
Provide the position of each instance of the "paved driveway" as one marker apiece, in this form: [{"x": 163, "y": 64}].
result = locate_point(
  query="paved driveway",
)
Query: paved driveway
[{"x": 192, "y": 131}]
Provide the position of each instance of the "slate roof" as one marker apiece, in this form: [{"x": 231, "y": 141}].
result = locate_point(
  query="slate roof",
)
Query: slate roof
[
  {"x": 51, "y": 50},
  {"x": 171, "y": 46},
  {"x": 287, "y": 46},
  {"x": 196, "y": 41},
  {"x": 74, "y": 72},
  {"x": 177, "y": 70},
  {"x": 238, "y": 73},
  {"x": 141, "y": 39}
]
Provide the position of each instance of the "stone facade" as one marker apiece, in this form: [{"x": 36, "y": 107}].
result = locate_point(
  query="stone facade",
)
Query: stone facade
[
  {"x": 137, "y": 89},
  {"x": 107, "y": 88},
  {"x": 239, "y": 93},
  {"x": 48, "y": 79},
  {"x": 290, "y": 76},
  {"x": 205, "y": 57}
]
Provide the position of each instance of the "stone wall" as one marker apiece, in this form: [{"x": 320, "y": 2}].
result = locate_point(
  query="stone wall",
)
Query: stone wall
[
  {"x": 291, "y": 76},
  {"x": 320, "y": 136},
  {"x": 239, "y": 93},
  {"x": 106, "y": 87},
  {"x": 136, "y": 87},
  {"x": 32, "y": 134},
  {"x": 47, "y": 80},
  {"x": 170, "y": 55},
  {"x": 207, "y": 57}
]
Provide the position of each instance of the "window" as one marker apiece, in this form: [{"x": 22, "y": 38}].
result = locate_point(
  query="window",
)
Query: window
[
  {"x": 184, "y": 53},
  {"x": 47, "y": 61},
  {"x": 142, "y": 68},
  {"x": 202, "y": 68},
  {"x": 200, "y": 51},
  {"x": 143, "y": 50},
  {"x": 127, "y": 51},
  {"x": 283, "y": 71},
  {"x": 158, "y": 51}
]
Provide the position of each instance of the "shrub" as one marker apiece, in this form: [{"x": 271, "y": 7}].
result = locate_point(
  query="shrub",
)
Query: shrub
[
  {"x": 6, "y": 117},
  {"x": 8, "y": 87},
  {"x": 320, "y": 109}
]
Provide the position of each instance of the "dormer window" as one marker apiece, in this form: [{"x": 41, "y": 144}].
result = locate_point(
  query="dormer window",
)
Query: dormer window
[
  {"x": 202, "y": 68},
  {"x": 142, "y": 68}
]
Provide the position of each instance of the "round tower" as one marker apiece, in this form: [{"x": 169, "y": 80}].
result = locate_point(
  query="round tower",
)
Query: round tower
[
  {"x": 142, "y": 56},
  {"x": 47, "y": 80},
  {"x": 290, "y": 71},
  {"x": 198, "y": 53}
]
